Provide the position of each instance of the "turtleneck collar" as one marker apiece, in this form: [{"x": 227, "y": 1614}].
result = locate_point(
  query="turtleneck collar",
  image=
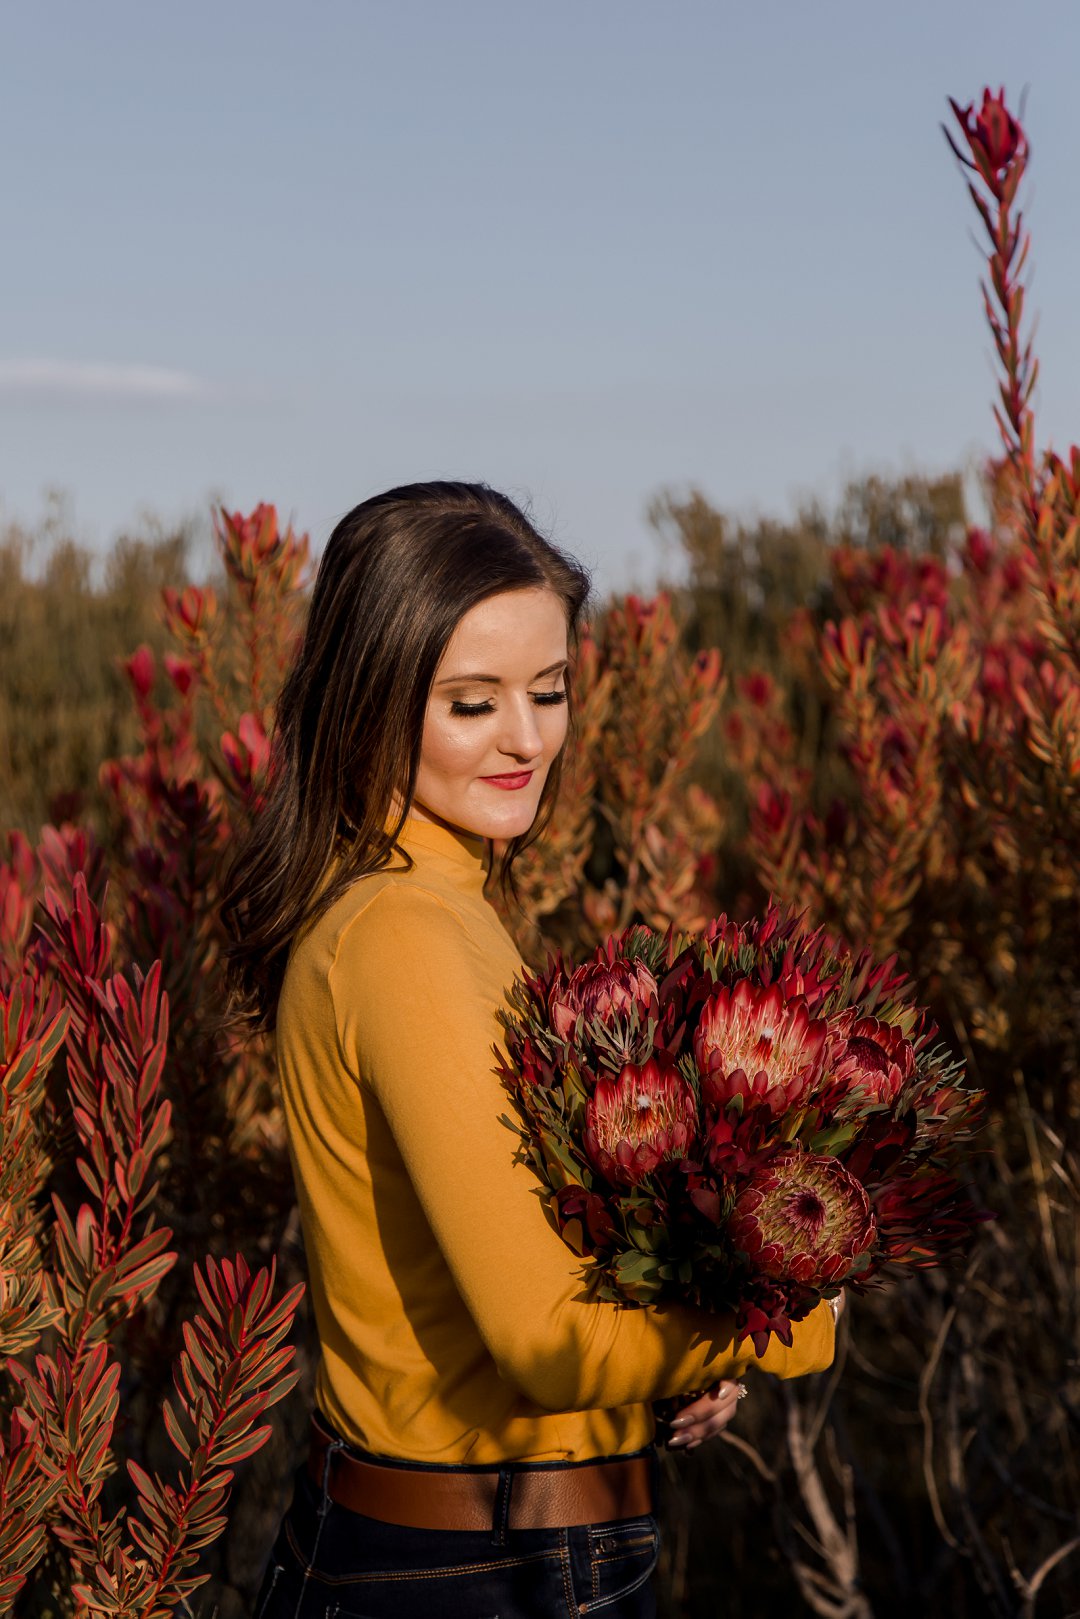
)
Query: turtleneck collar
[{"x": 465, "y": 852}]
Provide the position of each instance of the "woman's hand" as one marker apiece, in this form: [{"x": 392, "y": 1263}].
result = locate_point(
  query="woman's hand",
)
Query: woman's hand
[
  {"x": 706, "y": 1415},
  {"x": 692, "y": 1418}
]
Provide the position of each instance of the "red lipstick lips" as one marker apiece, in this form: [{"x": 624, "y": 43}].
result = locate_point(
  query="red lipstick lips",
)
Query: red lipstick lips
[{"x": 521, "y": 779}]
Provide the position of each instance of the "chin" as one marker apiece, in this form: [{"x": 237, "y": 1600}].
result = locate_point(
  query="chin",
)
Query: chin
[
  {"x": 505, "y": 827},
  {"x": 511, "y": 822}
]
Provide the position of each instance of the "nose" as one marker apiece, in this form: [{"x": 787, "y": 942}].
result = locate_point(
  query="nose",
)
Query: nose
[{"x": 520, "y": 736}]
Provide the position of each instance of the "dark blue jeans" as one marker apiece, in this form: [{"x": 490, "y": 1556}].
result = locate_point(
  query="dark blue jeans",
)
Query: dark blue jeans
[{"x": 331, "y": 1563}]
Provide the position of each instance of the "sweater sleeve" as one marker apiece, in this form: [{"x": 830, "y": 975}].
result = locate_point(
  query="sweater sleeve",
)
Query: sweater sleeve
[{"x": 414, "y": 1007}]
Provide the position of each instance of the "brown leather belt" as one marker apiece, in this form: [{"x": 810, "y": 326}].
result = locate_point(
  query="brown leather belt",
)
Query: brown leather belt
[{"x": 522, "y": 1496}]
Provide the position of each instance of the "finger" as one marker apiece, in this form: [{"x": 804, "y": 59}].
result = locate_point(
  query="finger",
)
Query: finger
[
  {"x": 694, "y": 1416},
  {"x": 712, "y": 1431},
  {"x": 693, "y": 1432},
  {"x": 701, "y": 1408},
  {"x": 715, "y": 1425}
]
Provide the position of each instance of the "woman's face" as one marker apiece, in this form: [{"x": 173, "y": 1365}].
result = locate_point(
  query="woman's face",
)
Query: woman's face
[{"x": 496, "y": 708}]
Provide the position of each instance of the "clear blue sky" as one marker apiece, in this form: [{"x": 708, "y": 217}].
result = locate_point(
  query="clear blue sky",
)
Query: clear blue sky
[{"x": 583, "y": 249}]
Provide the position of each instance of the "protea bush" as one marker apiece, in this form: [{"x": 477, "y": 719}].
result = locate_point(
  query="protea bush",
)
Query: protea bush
[
  {"x": 129, "y": 1119},
  {"x": 747, "y": 1118},
  {"x": 954, "y": 695}
]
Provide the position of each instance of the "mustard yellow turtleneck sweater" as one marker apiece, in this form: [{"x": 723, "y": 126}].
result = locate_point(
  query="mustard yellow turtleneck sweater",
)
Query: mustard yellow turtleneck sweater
[{"x": 447, "y": 1308}]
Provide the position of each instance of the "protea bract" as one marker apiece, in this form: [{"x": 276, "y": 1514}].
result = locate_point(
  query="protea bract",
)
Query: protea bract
[
  {"x": 601, "y": 989},
  {"x": 870, "y": 1057},
  {"x": 645, "y": 1116},
  {"x": 753, "y": 1043}
]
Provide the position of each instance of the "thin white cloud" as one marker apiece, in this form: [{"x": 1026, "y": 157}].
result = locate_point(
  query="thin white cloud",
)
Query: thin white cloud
[{"x": 67, "y": 379}]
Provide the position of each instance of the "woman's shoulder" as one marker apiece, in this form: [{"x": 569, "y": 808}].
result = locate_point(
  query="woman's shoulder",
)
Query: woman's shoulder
[
  {"x": 389, "y": 899},
  {"x": 394, "y": 922},
  {"x": 379, "y": 916}
]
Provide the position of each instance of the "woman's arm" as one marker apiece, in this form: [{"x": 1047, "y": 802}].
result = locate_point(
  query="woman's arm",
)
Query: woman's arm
[{"x": 415, "y": 995}]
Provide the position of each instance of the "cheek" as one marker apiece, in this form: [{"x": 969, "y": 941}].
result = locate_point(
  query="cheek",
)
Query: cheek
[{"x": 449, "y": 748}]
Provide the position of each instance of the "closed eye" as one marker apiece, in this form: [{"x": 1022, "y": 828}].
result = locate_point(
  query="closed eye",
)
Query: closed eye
[{"x": 542, "y": 699}]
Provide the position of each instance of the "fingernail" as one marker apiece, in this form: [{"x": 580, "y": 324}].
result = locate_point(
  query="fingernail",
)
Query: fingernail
[
  {"x": 679, "y": 1422},
  {"x": 679, "y": 1439}
]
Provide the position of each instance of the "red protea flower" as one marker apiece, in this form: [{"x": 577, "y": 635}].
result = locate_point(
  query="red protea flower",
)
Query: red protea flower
[
  {"x": 754, "y": 1043},
  {"x": 997, "y": 142},
  {"x": 799, "y": 1217},
  {"x": 181, "y": 671},
  {"x": 996, "y": 129},
  {"x": 532, "y": 1068},
  {"x": 644, "y": 1117},
  {"x": 602, "y": 989},
  {"x": 139, "y": 669},
  {"x": 870, "y": 1057},
  {"x": 248, "y": 753}
]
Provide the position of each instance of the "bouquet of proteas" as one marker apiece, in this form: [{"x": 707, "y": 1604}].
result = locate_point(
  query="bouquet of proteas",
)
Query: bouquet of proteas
[{"x": 747, "y": 1119}]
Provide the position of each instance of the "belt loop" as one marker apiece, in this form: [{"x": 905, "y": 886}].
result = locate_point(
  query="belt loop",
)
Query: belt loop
[
  {"x": 328, "y": 1456},
  {"x": 501, "y": 1514}
]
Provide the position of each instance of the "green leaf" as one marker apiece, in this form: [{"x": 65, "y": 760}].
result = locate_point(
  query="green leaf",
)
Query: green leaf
[
  {"x": 636, "y": 1276},
  {"x": 831, "y": 1142},
  {"x": 243, "y": 1446}
]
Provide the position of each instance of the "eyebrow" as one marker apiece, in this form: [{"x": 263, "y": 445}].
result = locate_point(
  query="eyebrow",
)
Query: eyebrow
[{"x": 495, "y": 680}]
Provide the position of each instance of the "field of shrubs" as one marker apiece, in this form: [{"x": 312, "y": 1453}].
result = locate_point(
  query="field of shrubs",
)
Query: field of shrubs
[{"x": 870, "y": 712}]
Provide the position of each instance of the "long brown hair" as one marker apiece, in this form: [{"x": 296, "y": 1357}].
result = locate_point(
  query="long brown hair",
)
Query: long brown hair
[{"x": 398, "y": 573}]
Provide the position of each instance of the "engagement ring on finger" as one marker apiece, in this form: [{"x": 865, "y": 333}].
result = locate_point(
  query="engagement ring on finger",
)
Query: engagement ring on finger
[{"x": 743, "y": 1392}]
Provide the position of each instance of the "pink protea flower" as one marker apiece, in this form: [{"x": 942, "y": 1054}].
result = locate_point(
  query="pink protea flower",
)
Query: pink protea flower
[
  {"x": 802, "y": 1218},
  {"x": 754, "y": 1043},
  {"x": 602, "y": 989},
  {"x": 870, "y": 1057},
  {"x": 645, "y": 1116}
]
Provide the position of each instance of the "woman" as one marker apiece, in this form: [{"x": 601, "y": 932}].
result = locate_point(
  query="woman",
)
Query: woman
[{"x": 482, "y": 1440}]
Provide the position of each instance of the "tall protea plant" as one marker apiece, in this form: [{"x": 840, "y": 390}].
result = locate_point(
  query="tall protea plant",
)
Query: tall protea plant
[
  {"x": 178, "y": 803},
  {"x": 956, "y": 698},
  {"x": 83, "y": 1128}
]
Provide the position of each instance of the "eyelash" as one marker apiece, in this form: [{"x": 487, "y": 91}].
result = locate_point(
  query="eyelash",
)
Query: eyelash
[{"x": 543, "y": 699}]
